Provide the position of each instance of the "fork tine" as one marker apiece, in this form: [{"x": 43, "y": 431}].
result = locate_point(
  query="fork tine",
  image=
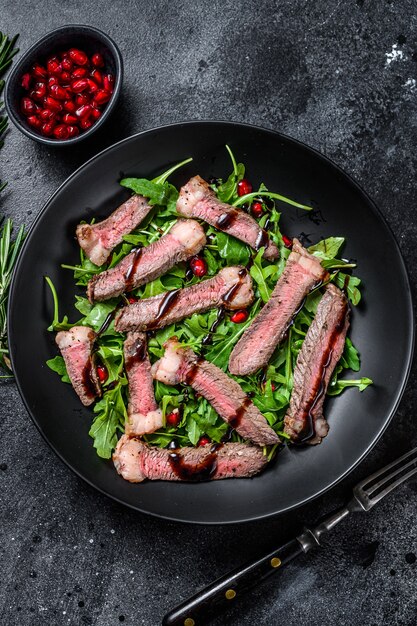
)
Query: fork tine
[
  {"x": 362, "y": 484},
  {"x": 396, "y": 483},
  {"x": 391, "y": 475}
]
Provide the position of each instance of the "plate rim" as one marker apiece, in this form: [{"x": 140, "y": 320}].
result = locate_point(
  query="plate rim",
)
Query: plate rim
[{"x": 410, "y": 326}]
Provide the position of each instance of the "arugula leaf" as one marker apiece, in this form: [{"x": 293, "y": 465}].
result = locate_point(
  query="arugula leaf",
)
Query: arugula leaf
[
  {"x": 350, "y": 283},
  {"x": 233, "y": 250},
  {"x": 327, "y": 249},
  {"x": 57, "y": 364},
  {"x": 350, "y": 358},
  {"x": 110, "y": 417},
  {"x": 336, "y": 387}
]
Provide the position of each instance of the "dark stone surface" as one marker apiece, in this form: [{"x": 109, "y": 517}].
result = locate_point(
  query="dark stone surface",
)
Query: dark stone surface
[{"x": 340, "y": 76}]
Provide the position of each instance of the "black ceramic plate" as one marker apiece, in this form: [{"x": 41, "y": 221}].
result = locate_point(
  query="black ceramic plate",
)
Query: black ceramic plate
[{"x": 382, "y": 326}]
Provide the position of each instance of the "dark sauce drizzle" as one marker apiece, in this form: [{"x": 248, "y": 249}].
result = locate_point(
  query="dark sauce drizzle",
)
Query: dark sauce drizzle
[
  {"x": 194, "y": 472},
  {"x": 231, "y": 293},
  {"x": 108, "y": 320},
  {"x": 131, "y": 270},
  {"x": 167, "y": 302},
  {"x": 237, "y": 418},
  {"x": 227, "y": 219},
  {"x": 209, "y": 337},
  {"x": 261, "y": 240},
  {"x": 87, "y": 378},
  {"x": 137, "y": 353},
  {"x": 192, "y": 373}
]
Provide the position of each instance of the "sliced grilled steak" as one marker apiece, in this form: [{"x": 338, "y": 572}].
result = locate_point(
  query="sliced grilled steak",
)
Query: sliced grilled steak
[
  {"x": 144, "y": 416},
  {"x": 76, "y": 347},
  {"x": 182, "y": 365},
  {"x": 135, "y": 461},
  {"x": 98, "y": 240},
  {"x": 196, "y": 199},
  {"x": 143, "y": 265},
  {"x": 319, "y": 354},
  {"x": 258, "y": 342},
  {"x": 231, "y": 288}
]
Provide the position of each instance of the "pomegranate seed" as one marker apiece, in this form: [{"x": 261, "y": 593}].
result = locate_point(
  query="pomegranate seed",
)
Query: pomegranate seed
[
  {"x": 95, "y": 113},
  {"x": 26, "y": 78},
  {"x": 67, "y": 64},
  {"x": 108, "y": 82},
  {"x": 173, "y": 418},
  {"x": 239, "y": 317},
  {"x": 257, "y": 209},
  {"x": 101, "y": 97},
  {"x": 65, "y": 79},
  {"x": 61, "y": 131},
  {"x": 51, "y": 103},
  {"x": 96, "y": 75},
  {"x": 67, "y": 118},
  {"x": 198, "y": 266},
  {"x": 132, "y": 299},
  {"x": 46, "y": 114},
  {"x": 28, "y": 106},
  {"x": 203, "y": 441},
  {"x": 39, "y": 72},
  {"x": 70, "y": 106},
  {"x": 79, "y": 85},
  {"x": 102, "y": 373},
  {"x": 54, "y": 67},
  {"x": 47, "y": 128},
  {"x": 79, "y": 72},
  {"x": 53, "y": 80},
  {"x": 82, "y": 98},
  {"x": 97, "y": 60},
  {"x": 58, "y": 92},
  {"x": 73, "y": 131},
  {"x": 78, "y": 56},
  {"x": 92, "y": 86},
  {"x": 86, "y": 123},
  {"x": 244, "y": 187},
  {"x": 34, "y": 121},
  {"x": 286, "y": 241},
  {"x": 84, "y": 111},
  {"x": 273, "y": 387}
]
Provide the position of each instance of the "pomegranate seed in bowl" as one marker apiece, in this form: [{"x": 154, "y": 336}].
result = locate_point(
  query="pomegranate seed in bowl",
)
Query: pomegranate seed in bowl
[
  {"x": 97, "y": 60},
  {"x": 78, "y": 56}
]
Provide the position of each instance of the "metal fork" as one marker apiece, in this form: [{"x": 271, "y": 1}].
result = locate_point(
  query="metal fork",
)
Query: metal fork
[{"x": 198, "y": 609}]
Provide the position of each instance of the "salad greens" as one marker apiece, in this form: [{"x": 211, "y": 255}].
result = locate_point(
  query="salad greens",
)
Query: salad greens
[{"x": 271, "y": 389}]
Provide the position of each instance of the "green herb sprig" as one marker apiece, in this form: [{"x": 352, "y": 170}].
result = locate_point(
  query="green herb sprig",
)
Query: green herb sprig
[{"x": 7, "y": 52}]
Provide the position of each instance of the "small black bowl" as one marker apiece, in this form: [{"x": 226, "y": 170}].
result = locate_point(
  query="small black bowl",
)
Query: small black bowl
[{"x": 86, "y": 38}]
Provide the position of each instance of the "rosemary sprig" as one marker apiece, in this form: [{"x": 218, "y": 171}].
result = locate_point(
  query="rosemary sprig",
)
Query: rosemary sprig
[
  {"x": 8, "y": 254},
  {"x": 7, "y": 52}
]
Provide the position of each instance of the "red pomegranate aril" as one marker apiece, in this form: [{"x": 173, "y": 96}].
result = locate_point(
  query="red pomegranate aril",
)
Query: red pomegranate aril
[
  {"x": 97, "y": 76},
  {"x": 108, "y": 82},
  {"x": 73, "y": 131},
  {"x": 239, "y": 317},
  {"x": 39, "y": 72},
  {"x": 54, "y": 67},
  {"x": 47, "y": 128},
  {"x": 67, "y": 64},
  {"x": 198, "y": 266},
  {"x": 101, "y": 97},
  {"x": 51, "y": 103},
  {"x": 203, "y": 441},
  {"x": 79, "y": 72},
  {"x": 69, "y": 106},
  {"x": 67, "y": 118},
  {"x": 53, "y": 80},
  {"x": 65, "y": 79},
  {"x": 79, "y": 85},
  {"x": 97, "y": 60},
  {"x": 58, "y": 92},
  {"x": 92, "y": 86},
  {"x": 95, "y": 113},
  {"x": 132, "y": 299},
  {"x": 78, "y": 56},
  {"x": 46, "y": 114},
  {"x": 82, "y": 98},
  {"x": 28, "y": 106},
  {"x": 244, "y": 187},
  {"x": 286, "y": 241},
  {"x": 84, "y": 111},
  {"x": 34, "y": 121},
  {"x": 26, "y": 78},
  {"x": 61, "y": 131},
  {"x": 102, "y": 373},
  {"x": 257, "y": 209},
  {"x": 173, "y": 418},
  {"x": 86, "y": 123}
]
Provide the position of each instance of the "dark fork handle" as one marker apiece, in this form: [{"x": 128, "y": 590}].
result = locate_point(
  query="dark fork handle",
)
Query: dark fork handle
[{"x": 225, "y": 591}]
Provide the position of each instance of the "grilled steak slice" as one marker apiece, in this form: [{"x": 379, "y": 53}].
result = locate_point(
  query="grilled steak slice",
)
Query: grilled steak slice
[
  {"x": 144, "y": 416},
  {"x": 258, "y": 342},
  {"x": 135, "y": 461},
  {"x": 231, "y": 288},
  {"x": 182, "y": 365},
  {"x": 98, "y": 240},
  {"x": 196, "y": 199},
  {"x": 142, "y": 265},
  {"x": 319, "y": 354},
  {"x": 76, "y": 347}
]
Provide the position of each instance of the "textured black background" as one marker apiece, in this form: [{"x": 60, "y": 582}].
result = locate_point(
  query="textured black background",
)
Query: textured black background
[{"x": 326, "y": 73}]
